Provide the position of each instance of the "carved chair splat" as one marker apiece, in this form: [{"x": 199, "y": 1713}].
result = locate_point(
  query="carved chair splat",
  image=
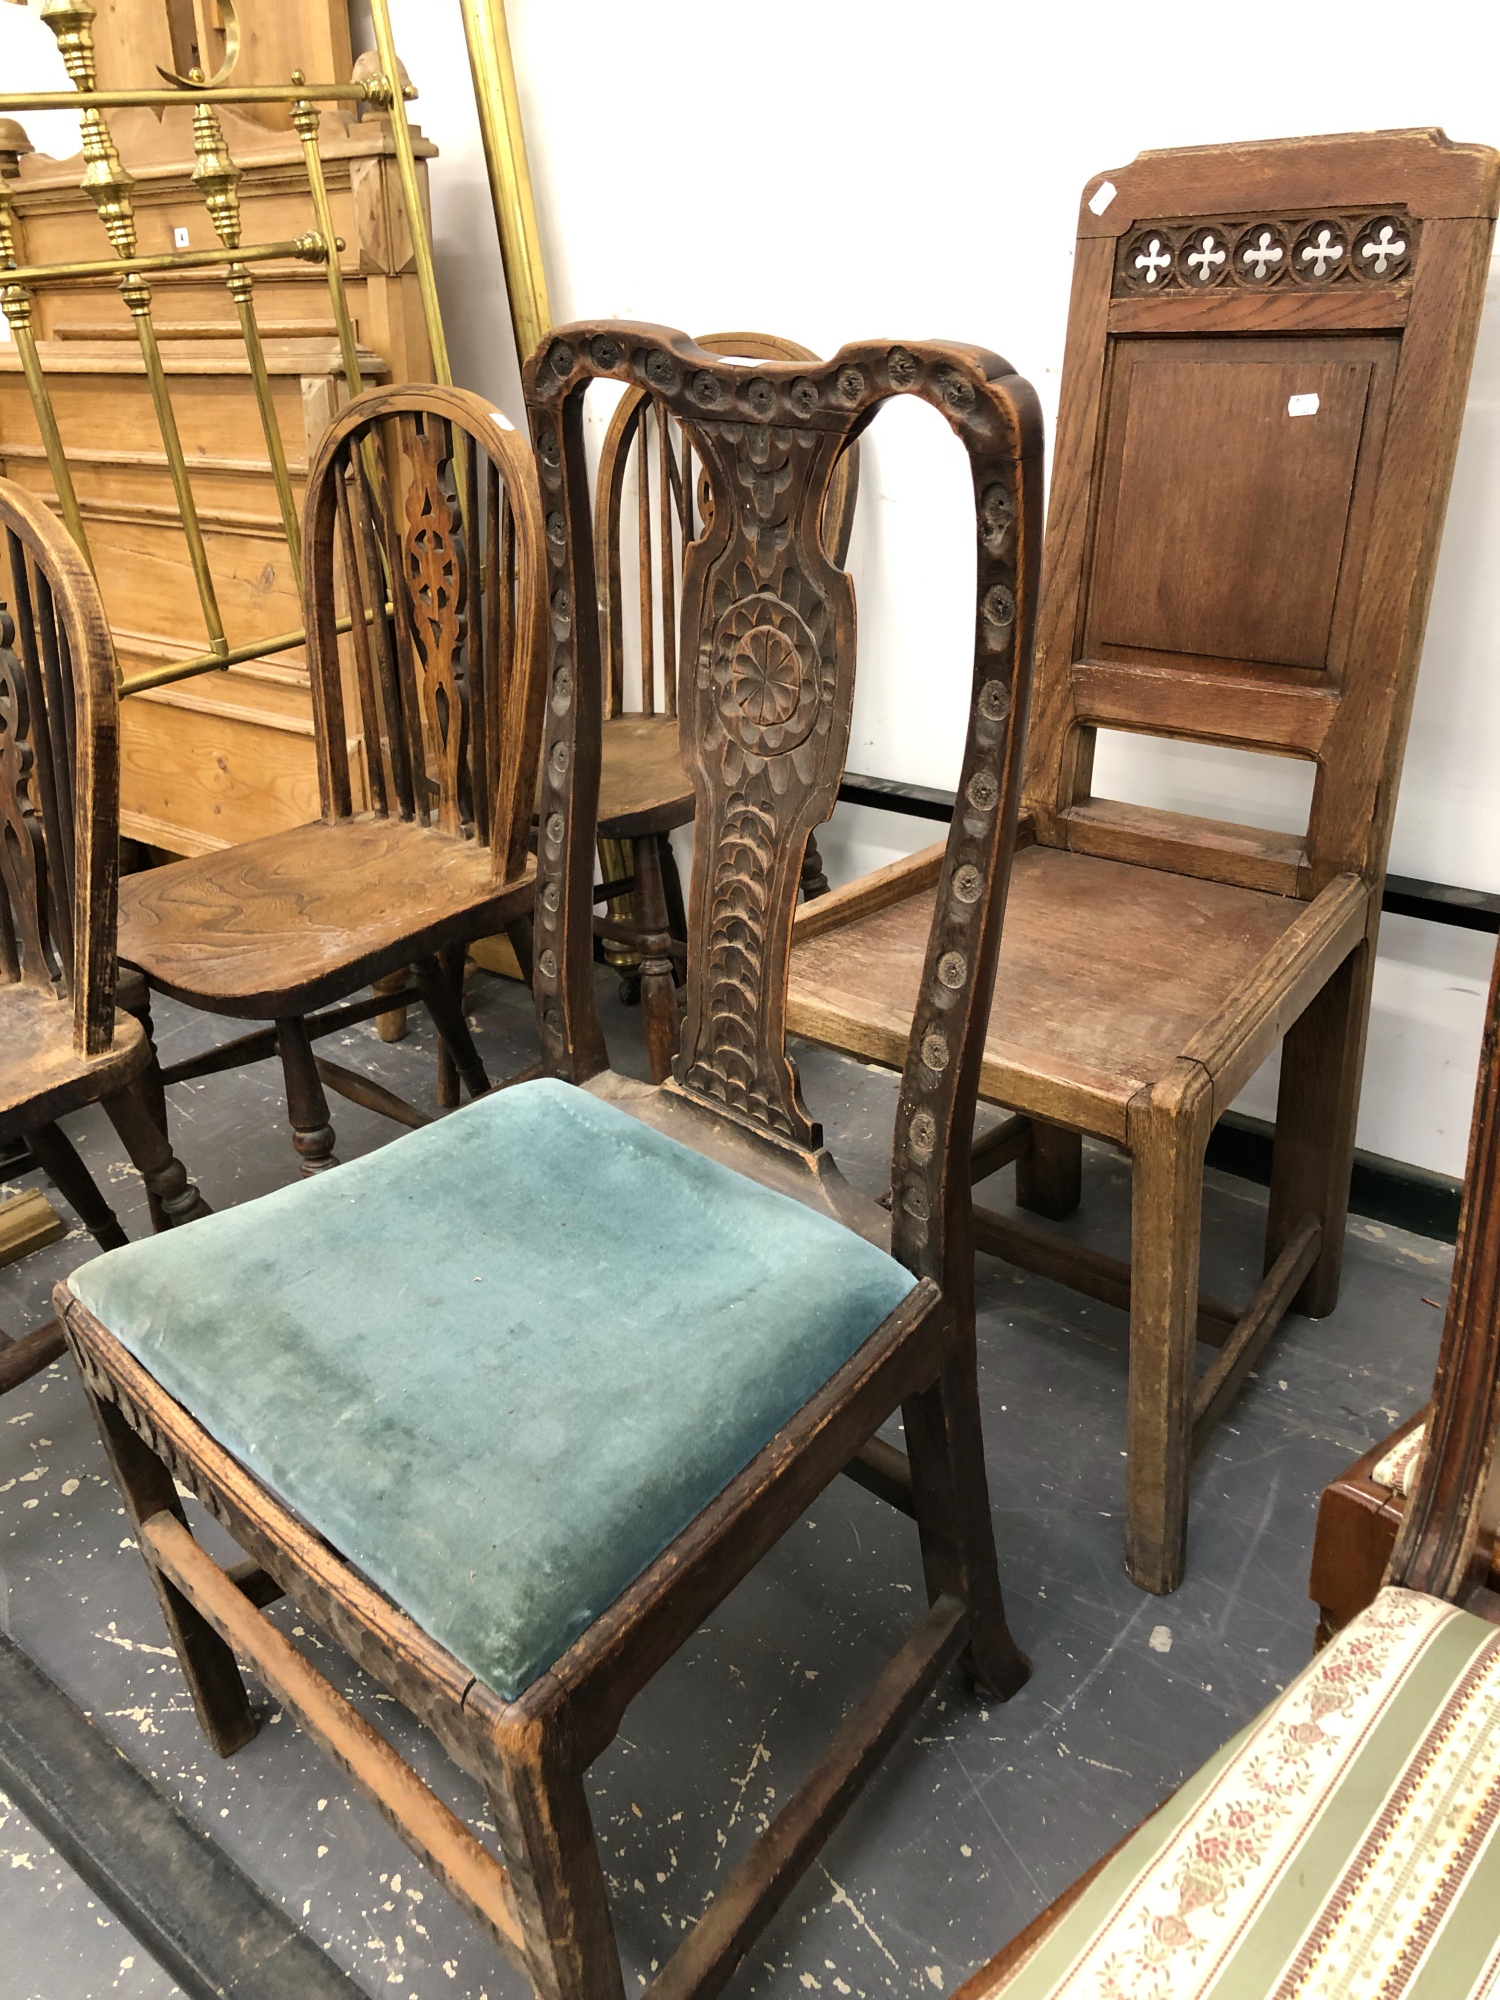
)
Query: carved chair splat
[
  {"x": 63, "y": 1045},
  {"x": 643, "y": 789},
  {"x": 422, "y": 524},
  {"x": 1253, "y": 457},
  {"x": 1345, "y": 1843},
  {"x": 697, "y": 1323}
]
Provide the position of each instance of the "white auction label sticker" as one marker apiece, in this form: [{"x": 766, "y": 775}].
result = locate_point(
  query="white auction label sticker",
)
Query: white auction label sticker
[
  {"x": 1102, "y": 196},
  {"x": 1302, "y": 406},
  {"x": 506, "y": 424}
]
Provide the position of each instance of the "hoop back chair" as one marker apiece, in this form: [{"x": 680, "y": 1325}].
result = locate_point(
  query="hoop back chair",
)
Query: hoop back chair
[
  {"x": 643, "y": 789},
  {"x": 655, "y": 1322},
  {"x": 63, "y": 1044},
  {"x": 1343, "y": 1842},
  {"x": 1268, "y": 347},
  {"x": 421, "y": 515}
]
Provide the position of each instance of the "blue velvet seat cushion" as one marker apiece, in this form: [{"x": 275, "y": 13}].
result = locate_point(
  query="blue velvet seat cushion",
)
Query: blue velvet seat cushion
[{"x": 501, "y": 1363}]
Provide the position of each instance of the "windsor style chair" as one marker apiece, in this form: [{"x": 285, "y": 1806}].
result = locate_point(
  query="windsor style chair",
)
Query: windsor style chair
[
  {"x": 1268, "y": 348},
  {"x": 510, "y": 1405},
  {"x": 644, "y": 791},
  {"x": 1344, "y": 1841},
  {"x": 63, "y": 1044},
  {"x": 422, "y": 515}
]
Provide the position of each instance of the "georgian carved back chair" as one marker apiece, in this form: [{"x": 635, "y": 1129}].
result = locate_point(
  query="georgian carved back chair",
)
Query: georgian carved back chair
[
  {"x": 1344, "y": 1842},
  {"x": 1268, "y": 347},
  {"x": 63, "y": 1045},
  {"x": 510, "y": 1405},
  {"x": 1361, "y": 1512},
  {"x": 643, "y": 789},
  {"x": 422, "y": 519}
]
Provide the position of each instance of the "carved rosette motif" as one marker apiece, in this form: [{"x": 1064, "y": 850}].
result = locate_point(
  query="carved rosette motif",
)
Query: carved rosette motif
[
  {"x": 23, "y": 851},
  {"x": 1256, "y": 253}
]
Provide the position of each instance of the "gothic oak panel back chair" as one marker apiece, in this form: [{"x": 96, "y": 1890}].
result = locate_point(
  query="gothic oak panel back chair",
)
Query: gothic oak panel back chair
[
  {"x": 63, "y": 1045},
  {"x": 422, "y": 516},
  {"x": 534, "y": 1389},
  {"x": 1360, "y": 1513},
  {"x": 643, "y": 789},
  {"x": 1267, "y": 353},
  {"x": 1344, "y": 1842}
]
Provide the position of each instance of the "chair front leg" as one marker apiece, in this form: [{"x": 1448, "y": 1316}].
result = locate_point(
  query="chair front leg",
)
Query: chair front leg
[
  {"x": 1049, "y": 1171},
  {"x": 173, "y": 1196},
  {"x": 658, "y": 987},
  {"x": 547, "y": 1841},
  {"x": 133, "y": 995},
  {"x": 219, "y": 1697},
  {"x": 56, "y": 1155},
  {"x": 1317, "y": 1106},
  {"x": 307, "y": 1107},
  {"x": 950, "y": 1493},
  {"x": 446, "y": 1007},
  {"x": 1167, "y": 1128}
]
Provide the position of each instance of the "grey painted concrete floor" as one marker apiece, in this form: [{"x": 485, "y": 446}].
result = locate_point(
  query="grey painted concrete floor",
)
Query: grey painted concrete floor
[{"x": 983, "y": 1813}]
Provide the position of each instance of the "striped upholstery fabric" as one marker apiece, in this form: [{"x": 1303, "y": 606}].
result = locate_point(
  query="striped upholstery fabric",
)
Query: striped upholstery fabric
[
  {"x": 1398, "y": 1469},
  {"x": 1344, "y": 1844}
]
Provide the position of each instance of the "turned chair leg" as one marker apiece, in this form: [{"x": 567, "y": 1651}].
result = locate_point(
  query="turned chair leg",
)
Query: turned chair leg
[
  {"x": 1167, "y": 1127},
  {"x": 454, "y": 962},
  {"x": 133, "y": 994},
  {"x": 446, "y": 1006},
  {"x": 812, "y": 882},
  {"x": 1316, "y": 1110},
  {"x": 1049, "y": 1171},
  {"x": 307, "y": 1107},
  {"x": 174, "y": 1197},
  {"x": 56, "y": 1155},
  {"x": 219, "y": 1697},
  {"x": 658, "y": 987},
  {"x": 671, "y": 882},
  {"x": 391, "y": 1026},
  {"x": 521, "y": 935},
  {"x": 945, "y": 1449},
  {"x": 547, "y": 1843}
]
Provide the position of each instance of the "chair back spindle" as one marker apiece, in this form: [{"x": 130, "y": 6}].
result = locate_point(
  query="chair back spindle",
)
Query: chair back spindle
[
  {"x": 422, "y": 519},
  {"x": 59, "y": 773}
]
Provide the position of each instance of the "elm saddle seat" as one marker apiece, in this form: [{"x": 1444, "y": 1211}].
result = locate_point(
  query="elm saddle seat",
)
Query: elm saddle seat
[
  {"x": 1268, "y": 348},
  {"x": 508, "y": 1407},
  {"x": 426, "y": 767},
  {"x": 1345, "y": 1842},
  {"x": 64, "y": 1043}
]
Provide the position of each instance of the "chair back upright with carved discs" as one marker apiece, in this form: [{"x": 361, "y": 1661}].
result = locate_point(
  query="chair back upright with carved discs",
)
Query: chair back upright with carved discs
[
  {"x": 422, "y": 524},
  {"x": 59, "y": 866},
  {"x": 1257, "y": 429},
  {"x": 768, "y": 682}
]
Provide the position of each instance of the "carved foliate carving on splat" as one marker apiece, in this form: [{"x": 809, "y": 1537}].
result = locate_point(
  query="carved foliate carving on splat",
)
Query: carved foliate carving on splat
[
  {"x": 24, "y": 950},
  {"x": 434, "y": 566},
  {"x": 775, "y": 628}
]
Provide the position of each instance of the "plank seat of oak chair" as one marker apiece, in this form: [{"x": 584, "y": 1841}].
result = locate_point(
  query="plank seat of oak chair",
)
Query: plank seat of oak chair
[
  {"x": 63, "y": 1043},
  {"x": 533, "y": 1389},
  {"x": 1267, "y": 355},
  {"x": 421, "y": 516},
  {"x": 644, "y": 791},
  {"x": 1344, "y": 1842}
]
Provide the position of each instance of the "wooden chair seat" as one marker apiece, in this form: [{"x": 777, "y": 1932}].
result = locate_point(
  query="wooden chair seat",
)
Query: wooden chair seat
[
  {"x": 643, "y": 788},
  {"x": 505, "y": 1461},
  {"x": 1342, "y": 1836},
  {"x": 297, "y": 919},
  {"x": 42, "y": 1073},
  {"x": 1107, "y": 972}
]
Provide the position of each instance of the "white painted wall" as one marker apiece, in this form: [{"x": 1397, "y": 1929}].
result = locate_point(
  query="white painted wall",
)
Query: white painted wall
[{"x": 836, "y": 172}]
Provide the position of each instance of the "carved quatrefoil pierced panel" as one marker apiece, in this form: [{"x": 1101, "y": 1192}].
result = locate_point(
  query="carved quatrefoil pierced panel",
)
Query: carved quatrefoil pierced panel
[{"x": 1254, "y": 253}]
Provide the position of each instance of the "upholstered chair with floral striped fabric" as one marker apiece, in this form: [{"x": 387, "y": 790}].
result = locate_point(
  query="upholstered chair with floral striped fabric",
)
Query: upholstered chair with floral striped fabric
[{"x": 1346, "y": 1841}]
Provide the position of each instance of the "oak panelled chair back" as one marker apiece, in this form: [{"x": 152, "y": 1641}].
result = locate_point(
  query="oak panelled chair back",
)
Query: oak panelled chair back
[
  {"x": 1268, "y": 348},
  {"x": 423, "y": 544},
  {"x": 1344, "y": 1842},
  {"x": 62, "y": 1043},
  {"x": 643, "y": 790},
  {"x": 643, "y": 1326}
]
